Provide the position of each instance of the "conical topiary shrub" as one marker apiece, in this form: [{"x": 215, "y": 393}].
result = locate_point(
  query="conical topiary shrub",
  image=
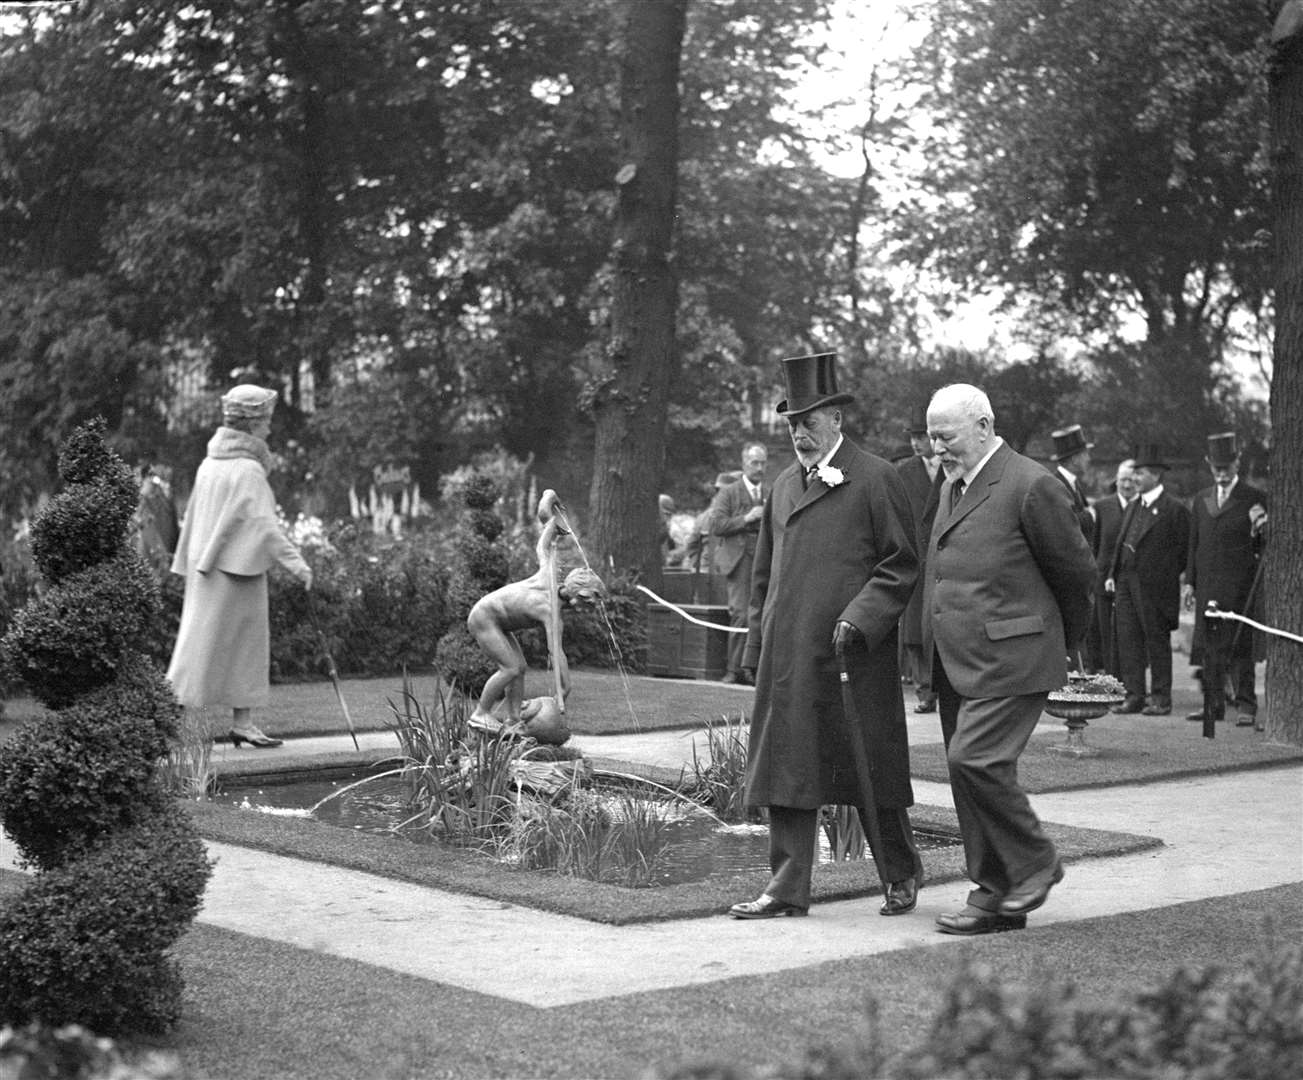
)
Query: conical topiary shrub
[
  {"x": 120, "y": 870},
  {"x": 479, "y": 567}
]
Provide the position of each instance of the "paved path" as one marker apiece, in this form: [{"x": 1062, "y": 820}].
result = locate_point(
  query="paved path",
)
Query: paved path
[
  {"x": 548, "y": 960},
  {"x": 1221, "y": 835}
]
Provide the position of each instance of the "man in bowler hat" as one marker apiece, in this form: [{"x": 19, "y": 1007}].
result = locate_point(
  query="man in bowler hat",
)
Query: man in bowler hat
[
  {"x": 835, "y": 564},
  {"x": 1145, "y": 581},
  {"x": 1226, "y": 540}
]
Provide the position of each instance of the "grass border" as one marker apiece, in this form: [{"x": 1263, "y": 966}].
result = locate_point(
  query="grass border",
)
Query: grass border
[{"x": 469, "y": 872}]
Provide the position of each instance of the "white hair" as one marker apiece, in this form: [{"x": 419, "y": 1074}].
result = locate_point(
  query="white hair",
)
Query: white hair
[{"x": 969, "y": 399}]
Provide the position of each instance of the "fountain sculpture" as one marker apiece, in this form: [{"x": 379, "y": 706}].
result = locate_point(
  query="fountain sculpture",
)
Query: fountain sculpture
[{"x": 497, "y": 617}]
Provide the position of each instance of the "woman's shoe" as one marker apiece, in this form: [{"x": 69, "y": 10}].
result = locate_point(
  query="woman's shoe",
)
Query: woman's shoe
[{"x": 253, "y": 737}]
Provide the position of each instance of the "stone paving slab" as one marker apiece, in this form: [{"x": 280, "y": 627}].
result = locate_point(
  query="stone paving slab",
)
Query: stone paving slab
[{"x": 1222, "y": 835}]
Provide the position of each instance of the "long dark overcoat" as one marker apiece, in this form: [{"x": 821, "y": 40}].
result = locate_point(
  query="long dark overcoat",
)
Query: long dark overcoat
[
  {"x": 1223, "y": 559},
  {"x": 825, "y": 554}
]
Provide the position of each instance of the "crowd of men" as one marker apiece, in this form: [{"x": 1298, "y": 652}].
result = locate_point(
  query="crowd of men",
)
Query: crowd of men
[{"x": 1155, "y": 554}]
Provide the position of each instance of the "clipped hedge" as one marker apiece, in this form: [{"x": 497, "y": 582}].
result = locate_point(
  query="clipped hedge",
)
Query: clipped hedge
[{"x": 120, "y": 870}]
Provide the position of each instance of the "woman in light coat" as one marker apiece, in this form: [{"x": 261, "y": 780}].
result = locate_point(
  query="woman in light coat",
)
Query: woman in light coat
[{"x": 229, "y": 540}]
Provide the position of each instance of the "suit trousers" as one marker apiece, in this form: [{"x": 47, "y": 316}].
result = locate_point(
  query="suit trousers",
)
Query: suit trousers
[
  {"x": 739, "y": 603},
  {"x": 1143, "y": 639},
  {"x": 793, "y": 840},
  {"x": 1226, "y": 677},
  {"x": 1004, "y": 843}
]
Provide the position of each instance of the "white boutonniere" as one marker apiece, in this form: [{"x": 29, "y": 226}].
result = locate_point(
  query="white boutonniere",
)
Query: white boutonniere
[{"x": 830, "y": 476}]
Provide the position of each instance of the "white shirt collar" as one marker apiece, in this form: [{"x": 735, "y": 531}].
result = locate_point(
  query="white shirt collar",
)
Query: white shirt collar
[
  {"x": 1231, "y": 486},
  {"x": 1070, "y": 476},
  {"x": 1151, "y": 497},
  {"x": 996, "y": 443}
]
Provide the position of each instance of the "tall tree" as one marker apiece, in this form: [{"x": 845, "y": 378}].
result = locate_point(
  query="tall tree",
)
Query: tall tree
[
  {"x": 630, "y": 387},
  {"x": 1105, "y": 157},
  {"x": 1284, "y": 558}
]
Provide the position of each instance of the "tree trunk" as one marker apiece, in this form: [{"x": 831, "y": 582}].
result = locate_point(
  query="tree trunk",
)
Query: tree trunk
[
  {"x": 631, "y": 387},
  {"x": 1284, "y": 569}
]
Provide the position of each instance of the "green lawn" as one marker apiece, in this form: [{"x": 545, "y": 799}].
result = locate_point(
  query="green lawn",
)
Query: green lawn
[
  {"x": 600, "y": 703},
  {"x": 261, "y": 1010}
]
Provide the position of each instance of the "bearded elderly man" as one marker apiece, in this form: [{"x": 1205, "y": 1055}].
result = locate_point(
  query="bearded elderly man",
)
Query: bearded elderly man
[
  {"x": 1008, "y": 584},
  {"x": 836, "y": 560}
]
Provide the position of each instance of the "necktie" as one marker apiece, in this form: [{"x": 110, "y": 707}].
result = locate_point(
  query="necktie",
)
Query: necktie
[
  {"x": 810, "y": 474},
  {"x": 1221, "y": 496},
  {"x": 956, "y": 493}
]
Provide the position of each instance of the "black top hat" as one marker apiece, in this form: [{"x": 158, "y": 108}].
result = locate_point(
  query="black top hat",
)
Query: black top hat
[
  {"x": 1148, "y": 456},
  {"x": 811, "y": 384},
  {"x": 1222, "y": 449},
  {"x": 1069, "y": 441},
  {"x": 917, "y": 423}
]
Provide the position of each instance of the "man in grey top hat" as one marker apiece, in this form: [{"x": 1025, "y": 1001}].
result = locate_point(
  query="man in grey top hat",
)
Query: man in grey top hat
[
  {"x": 835, "y": 563},
  {"x": 735, "y": 523},
  {"x": 1071, "y": 458},
  {"x": 1227, "y": 535}
]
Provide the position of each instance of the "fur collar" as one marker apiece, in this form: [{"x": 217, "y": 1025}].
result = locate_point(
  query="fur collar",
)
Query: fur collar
[{"x": 233, "y": 443}]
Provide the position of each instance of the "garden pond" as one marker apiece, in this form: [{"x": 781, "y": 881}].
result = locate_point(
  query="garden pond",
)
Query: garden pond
[{"x": 697, "y": 845}]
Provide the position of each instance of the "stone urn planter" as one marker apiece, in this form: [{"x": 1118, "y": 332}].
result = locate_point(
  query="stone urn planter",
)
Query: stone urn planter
[{"x": 1082, "y": 699}]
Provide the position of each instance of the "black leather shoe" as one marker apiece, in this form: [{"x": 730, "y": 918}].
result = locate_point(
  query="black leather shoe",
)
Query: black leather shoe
[
  {"x": 1129, "y": 705},
  {"x": 1157, "y": 707},
  {"x": 900, "y": 898},
  {"x": 1195, "y": 717},
  {"x": 731, "y": 677},
  {"x": 926, "y": 705},
  {"x": 1244, "y": 720},
  {"x": 1032, "y": 893},
  {"x": 766, "y": 907},
  {"x": 967, "y": 924}
]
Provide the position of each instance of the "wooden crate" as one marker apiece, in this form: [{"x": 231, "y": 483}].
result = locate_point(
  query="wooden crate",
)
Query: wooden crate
[{"x": 684, "y": 650}]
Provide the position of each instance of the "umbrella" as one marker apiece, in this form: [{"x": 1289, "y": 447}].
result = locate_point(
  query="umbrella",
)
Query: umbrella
[
  {"x": 331, "y": 670},
  {"x": 861, "y": 756}
]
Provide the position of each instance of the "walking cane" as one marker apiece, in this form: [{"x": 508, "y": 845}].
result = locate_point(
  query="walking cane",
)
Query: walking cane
[
  {"x": 873, "y": 832},
  {"x": 331, "y": 670}
]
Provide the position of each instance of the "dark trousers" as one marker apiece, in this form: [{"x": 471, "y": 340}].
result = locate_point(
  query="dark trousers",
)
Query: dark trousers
[
  {"x": 1106, "y": 656},
  {"x": 918, "y": 672},
  {"x": 1004, "y": 843},
  {"x": 1226, "y": 675},
  {"x": 739, "y": 601},
  {"x": 1143, "y": 640},
  {"x": 793, "y": 842}
]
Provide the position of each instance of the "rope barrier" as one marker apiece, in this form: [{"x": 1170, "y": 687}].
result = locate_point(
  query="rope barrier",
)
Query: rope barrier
[
  {"x": 1214, "y": 612},
  {"x": 690, "y": 617}
]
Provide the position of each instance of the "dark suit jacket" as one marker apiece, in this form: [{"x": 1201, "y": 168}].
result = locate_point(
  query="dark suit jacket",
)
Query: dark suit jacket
[
  {"x": 827, "y": 554},
  {"x": 921, "y": 490},
  {"x": 1104, "y": 536},
  {"x": 734, "y": 536},
  {"x": 1080, "y": 504},
  {"x": 1161, "y": 550},
  {"x": 1009, "y": 581}
]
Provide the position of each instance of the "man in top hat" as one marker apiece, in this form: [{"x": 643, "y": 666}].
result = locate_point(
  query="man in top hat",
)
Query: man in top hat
[
  {"x": 735, "y": 524},
  {"x": 1109, "y": 510},
  {"x": 1145, "y": 581},
  {"x": 1008, "y": 585},
  {"x": 1226, "y": 540},
  {"x": 834, "y": 566},
  {"x": 1071, "y": 458},
  {"x": 922, "y": 475}
]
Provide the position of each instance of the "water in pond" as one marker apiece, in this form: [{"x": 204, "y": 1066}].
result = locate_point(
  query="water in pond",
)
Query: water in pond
[{"x": 699, "y": 847}]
